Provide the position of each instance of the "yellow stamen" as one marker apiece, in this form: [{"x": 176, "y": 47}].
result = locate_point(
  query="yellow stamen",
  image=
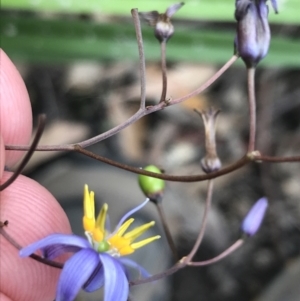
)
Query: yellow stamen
[
  {"x": 144, "y": 242},
  {"x": 132, "y": 235},
  {"x": 89, "y": 209},
  {"x": 123, "y": 243},
  {"x": 100, "y": 222},
  {"x": 98, "y": 235},
  {"x": 124, "y": 227},
  {"x": 127, "y": 250},
  {"x": 88, "y": 224},
  {"x": 120, "y": 243}
]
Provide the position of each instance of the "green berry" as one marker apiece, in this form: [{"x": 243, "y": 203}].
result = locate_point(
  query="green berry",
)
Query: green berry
[{"x": 151, "y": 186}]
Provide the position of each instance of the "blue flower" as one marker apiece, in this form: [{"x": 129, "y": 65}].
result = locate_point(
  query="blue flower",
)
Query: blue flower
[
  {"x": 254, "y": 218},
  {"x": 253, "y": 32},
  {"x": 96, "y": 261}
]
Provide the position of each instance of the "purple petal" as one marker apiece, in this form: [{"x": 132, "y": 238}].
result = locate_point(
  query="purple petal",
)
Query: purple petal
[
  {"x": 116, "y": 283},
  {"x": 132, "y": 264},
  {"x": 173, "y": 9},
  {"x": 132, "y": 211},
  {"x": 253, "y": 219},
  {"x": 51, "y": 252},
  {"x": 274, "y": 5},
  {"x": 54, "y": 239},
  {"x": 75, "y": 273},
  {"x": 96, "y": 280},
  {"x": 253, "y": 31}
]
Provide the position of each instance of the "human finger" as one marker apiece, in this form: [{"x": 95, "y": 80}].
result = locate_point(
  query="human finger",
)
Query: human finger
[
  {"x": 15, "y": 108},
  {"x": 32, "y": 213}
]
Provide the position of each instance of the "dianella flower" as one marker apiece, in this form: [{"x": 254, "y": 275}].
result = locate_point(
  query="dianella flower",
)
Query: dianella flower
[
  {"x": 97, "y": 261},
  {"x": 163, "y": 28},
  {"x": 253, "y": 32},
  {"x": 254, "y": 218}
]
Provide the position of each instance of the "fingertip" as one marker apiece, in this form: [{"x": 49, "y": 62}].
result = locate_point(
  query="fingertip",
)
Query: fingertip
[
  {"x": 4, "y": 298},
  {"x": 2, "y": 156},
  {"x": 15, "y": 108},
  {"x": 32, "y": 213}
]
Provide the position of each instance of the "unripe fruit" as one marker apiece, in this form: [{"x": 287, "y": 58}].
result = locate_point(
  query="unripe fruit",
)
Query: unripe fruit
[{"x": 152, "y": 187}]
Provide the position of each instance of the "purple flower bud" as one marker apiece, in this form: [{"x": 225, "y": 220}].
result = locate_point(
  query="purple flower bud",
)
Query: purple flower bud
[
  {"x": 253, "y": 32},
  {"x": 253, "y": 219}
]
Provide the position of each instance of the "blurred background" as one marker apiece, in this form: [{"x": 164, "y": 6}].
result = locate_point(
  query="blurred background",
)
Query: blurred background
[{"x": 79, "y": 60}]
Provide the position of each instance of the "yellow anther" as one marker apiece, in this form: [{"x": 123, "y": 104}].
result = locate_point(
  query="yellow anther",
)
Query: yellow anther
[
  {"x": 124, "y": 227},
  {"x": 88, "y": 224},
  {"x": 88, "y": 203},
  {"x": 89, "y": 209},
  {"x": 132, "y": 235},
  {"x": 144, "y": 242},
  {"x": 98, "y": 235},
  {"x": 126, "y": 250},
  {"x": 100, "y": 222},
  {"x": 119, "y": 243}
]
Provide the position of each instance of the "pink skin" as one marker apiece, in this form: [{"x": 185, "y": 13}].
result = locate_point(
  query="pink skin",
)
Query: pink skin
[{"x": 32, "y": 212}]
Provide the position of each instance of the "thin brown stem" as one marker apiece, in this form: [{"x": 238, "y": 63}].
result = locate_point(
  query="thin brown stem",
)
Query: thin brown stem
[
  {"x": 193, "y": 178},
  {"x": 252, "y": 108},
  {"x": 190, "y": 256},
  {"x": 139, "y": 114},
  {"x": 224, "y": 254},
  {"x": 139, "y": 38},
  {"x": 163, "y": 46},
  {"x": 19, "y": 247},
  {"x": 158, "y": 276},
  {"x": 25, "y": 160},
  {"x": 168, "y": 234},
  {"x": 181, "y": 264},
  {"x": 277, "y": 159},
  {"x": 209, "y": 82}
]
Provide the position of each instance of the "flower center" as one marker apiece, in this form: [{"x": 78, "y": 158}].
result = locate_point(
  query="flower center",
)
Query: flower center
[
  {"x": 103, "y": 246},
  {"x": 119, "y": 242}
]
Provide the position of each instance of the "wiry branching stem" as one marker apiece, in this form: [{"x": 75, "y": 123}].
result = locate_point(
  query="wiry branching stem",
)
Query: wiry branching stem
[
  {"x": 139, "y": 38},
  {"x": 38, "y": 135},
  {"x": 190, "y": 256},
  {"x": 224, "y": 254},
  {"x": 167, "y": 230},
  {"x": 193, "y": 178},
  {"x": 163, "y": 46},
  {"x": 252, "y": 108},
  {"x": 139, "y": 114}
]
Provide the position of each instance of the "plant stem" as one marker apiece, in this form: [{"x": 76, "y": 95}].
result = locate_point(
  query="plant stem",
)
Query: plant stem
[
  {"x": 163, "y": 46},
  {"x": 167, "y": 230},
  {"x": 252, "y": 108},
  {"x": 190, "y": 256},
  {"x": 139, "y": 114},
  {"x": 224, "y": 254},
  {"x": 193, "y": 178},
  {"x": 209, "y": 82},
  {"x": 25, "y": 160},
  {"x": 139, "y": 38}
]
